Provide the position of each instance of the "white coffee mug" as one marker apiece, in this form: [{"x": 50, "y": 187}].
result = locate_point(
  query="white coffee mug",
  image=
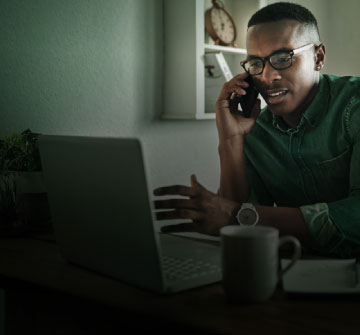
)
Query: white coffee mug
[{"x": 250, "y": 261}]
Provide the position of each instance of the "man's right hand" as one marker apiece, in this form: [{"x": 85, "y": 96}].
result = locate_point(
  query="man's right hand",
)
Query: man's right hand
[{"x": 231, "y": 125}]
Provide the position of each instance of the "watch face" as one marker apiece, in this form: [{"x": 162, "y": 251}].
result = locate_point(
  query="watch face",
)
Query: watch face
[
  {"x": 223, "y": 25},
  {"x": 247, "y": 216}
]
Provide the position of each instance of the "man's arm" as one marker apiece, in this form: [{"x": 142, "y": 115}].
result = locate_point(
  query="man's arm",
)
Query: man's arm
[
  {"x": 336, "y": 225},
  {"x": 233, "y": 180},
  {"x": 232, "y": 129},
  {"x": 209, "y": 212},
  {"x": 289, "y": 221}
]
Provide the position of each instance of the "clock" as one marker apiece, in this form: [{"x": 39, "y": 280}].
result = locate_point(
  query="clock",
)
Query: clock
[
  {"x": 220, "y": 24},
  {"x": 247, "y": 215}
]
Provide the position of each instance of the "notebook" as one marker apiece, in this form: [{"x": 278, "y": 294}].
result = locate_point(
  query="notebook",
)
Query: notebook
[
  {"x": 322, "y": 276},
  {"x": 103, "y": 216}
]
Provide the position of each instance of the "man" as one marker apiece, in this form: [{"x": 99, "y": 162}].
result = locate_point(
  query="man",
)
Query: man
[{"x": 296, "y": 164}]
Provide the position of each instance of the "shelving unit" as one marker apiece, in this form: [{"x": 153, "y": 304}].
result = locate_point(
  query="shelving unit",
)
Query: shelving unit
[
  {"x": 220, "y": 48},
  {"x": 188, "y": 92}
]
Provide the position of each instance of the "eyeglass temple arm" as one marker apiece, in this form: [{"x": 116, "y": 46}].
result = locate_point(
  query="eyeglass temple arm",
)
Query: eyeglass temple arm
[{"x": 305, "y": 47}]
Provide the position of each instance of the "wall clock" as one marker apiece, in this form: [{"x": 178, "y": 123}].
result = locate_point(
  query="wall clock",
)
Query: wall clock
[{"x": 220, "y": 24}]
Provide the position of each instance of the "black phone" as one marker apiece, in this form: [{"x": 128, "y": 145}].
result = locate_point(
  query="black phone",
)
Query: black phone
[{"x": 246, "y": 101}]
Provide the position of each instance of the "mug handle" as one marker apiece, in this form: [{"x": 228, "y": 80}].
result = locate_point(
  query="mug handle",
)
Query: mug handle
[{"x": 297, "y": 251}]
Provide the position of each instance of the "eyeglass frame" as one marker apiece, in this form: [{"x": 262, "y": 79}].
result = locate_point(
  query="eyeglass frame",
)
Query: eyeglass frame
[{"x": 291, "y": 52}]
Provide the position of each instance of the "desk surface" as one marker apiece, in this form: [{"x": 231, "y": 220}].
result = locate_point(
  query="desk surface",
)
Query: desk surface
[{"x": 38, "y": 262}]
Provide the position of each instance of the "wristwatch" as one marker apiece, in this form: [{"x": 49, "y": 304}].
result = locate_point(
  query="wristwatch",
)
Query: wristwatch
[{"x": 247, "y": 215}]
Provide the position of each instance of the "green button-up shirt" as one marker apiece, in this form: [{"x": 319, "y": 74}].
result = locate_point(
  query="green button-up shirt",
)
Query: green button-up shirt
[{"x": 315, "y": 166}]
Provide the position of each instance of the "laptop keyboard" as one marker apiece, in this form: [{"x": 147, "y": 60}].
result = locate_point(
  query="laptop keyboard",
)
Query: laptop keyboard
[{"x": 187, "y": 268}]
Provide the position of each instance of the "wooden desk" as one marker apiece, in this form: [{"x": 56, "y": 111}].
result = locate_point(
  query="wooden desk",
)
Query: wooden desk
[{"x": 40, "y": 286}]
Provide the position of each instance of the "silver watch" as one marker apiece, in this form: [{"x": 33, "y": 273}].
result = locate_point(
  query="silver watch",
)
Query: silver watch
[{"x": 247, "y": 215}]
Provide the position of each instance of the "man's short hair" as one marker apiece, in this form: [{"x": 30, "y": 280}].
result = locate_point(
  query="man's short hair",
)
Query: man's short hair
[{"x": 286, "y": 11}]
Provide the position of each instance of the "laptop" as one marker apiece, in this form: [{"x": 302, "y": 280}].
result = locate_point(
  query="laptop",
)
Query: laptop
[{"x": 104, "y": 220}]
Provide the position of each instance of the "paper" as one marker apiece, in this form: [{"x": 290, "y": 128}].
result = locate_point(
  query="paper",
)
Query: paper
[{"x": 322, "y": 276}]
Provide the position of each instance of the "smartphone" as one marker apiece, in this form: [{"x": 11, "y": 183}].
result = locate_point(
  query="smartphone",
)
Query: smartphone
[{"x": 246, "y": 101}]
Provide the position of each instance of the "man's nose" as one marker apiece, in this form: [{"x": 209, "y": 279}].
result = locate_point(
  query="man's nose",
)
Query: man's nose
[{"x": 269, "y": 74}]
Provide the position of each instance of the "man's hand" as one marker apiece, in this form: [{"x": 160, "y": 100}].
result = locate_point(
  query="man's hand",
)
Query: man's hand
[
  {"x": 208, "y": 211},
  {"x": 228, "y": 124}
]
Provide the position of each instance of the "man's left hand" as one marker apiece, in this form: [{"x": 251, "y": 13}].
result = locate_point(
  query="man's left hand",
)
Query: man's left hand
[{"x": 207, "y": 211}]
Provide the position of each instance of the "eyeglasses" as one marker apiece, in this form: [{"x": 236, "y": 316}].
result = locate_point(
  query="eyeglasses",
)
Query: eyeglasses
[{"x": 279, "y": 60}]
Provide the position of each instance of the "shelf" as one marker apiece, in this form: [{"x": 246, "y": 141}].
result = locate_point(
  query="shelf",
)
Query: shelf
[
  {"x": 219, "y": 48},
  {"x": 189, "y": 92}
]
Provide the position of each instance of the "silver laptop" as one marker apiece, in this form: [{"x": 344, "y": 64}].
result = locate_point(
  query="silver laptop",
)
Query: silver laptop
[{"x": 103, "y": 216}]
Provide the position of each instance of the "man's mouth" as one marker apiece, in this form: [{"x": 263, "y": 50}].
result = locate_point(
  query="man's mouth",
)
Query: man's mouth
[{"x": 275, "y": 96}]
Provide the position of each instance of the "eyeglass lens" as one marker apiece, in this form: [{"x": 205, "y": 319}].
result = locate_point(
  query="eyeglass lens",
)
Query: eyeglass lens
[{"x": 279, "y": 61}]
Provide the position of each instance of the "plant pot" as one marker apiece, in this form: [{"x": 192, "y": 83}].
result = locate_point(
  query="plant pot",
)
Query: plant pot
[
  {"x": 31, "y": 191},
  {"x": 29, "y": 182},
  {"x": 12, "y": 219},
  {"x": 17, "y": 228}
]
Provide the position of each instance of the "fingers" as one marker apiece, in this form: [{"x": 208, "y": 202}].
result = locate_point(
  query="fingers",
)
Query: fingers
[
  {"x": 179, "y": 208},
  {"x": 240, "y": 79},
  {"x": 180, "y": 189},
  {"x": 175, "y": 190},
  {"x": 175, "y": 203},
  {"x": 235, "y": 89},
  {"x": 192, "y": 208},
  {"x": 180, "y": 228},
  {"x": 193, "y": 180},
  {"x": 179, "y": 214},
  {"x": 256, "y": 109},
  {"x": 237, "y": 85},
  {"x": 195, "y": 183},
  {"x": 223, "y": 104}
]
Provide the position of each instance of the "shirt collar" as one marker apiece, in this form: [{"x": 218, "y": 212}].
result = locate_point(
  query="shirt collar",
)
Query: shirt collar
[{"x": 313, "y": 114}]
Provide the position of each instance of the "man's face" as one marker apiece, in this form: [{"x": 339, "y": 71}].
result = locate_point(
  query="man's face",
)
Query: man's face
[{"x": 285, "y": 91}]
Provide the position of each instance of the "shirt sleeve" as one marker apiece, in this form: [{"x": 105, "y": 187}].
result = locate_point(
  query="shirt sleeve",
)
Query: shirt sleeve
[{"x": 335, "y": 226}]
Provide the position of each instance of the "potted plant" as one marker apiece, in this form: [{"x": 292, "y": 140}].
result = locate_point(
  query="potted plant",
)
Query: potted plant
[
  {"x": 20, "y": 159},
  {"x": 12, "y": 220}
]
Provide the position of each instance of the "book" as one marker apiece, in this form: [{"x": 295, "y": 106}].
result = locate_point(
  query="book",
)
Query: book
[
  {"x": 223, "y": 66},
  {"x": 217, "y": 73}
]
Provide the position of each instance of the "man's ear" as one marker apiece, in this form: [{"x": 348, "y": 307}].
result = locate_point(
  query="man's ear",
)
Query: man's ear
[{"x": 319, "y": 57}]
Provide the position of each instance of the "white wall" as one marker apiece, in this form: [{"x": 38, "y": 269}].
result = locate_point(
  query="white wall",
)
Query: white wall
[
  {"x": 94, "y": 67},
  {"x": 338, "y": 22},
  {"x": 343, "y": 38}
]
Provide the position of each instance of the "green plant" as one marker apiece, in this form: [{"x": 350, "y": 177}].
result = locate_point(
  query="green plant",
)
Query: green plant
[{"x": 20, "y": 152}]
